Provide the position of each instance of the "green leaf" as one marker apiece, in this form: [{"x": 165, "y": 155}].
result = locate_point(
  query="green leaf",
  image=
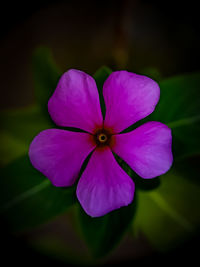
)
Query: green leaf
[
  {"x": 18, "y": 128},
  {"x": 152, "y": 73},
  {"x": 100, "y": 76},
  {"x": 24, "y": 123},
  {"x": 28, "y": 198},
  {"x": 179, "y": 108},
  {"x": 10, "y": 148},
  {"x": 46, "y": 75},
  {"x": 102, "y": 234},
  {"x": 168, "y": 214}
]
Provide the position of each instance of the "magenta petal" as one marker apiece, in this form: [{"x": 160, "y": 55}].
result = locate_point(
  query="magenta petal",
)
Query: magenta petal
[
  {"x": 59, "y": 154},
  {"x": 147, "y": 149},
  {"x": 104, "y": 186},
  {"x": 128, "y": 98},
  {"x": 75, "y": 102}
]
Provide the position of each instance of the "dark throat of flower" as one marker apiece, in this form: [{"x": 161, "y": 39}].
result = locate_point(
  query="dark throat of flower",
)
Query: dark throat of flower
[{"x": 103, "y": 138}]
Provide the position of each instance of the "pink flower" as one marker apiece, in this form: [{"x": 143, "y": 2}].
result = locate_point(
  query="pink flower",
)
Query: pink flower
[{"x": 59, "y": 154}]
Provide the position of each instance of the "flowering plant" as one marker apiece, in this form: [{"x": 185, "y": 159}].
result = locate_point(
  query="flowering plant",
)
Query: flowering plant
[{"x": 59, "y": 154}]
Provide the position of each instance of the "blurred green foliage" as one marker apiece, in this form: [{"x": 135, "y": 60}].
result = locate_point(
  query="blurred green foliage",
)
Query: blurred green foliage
[
  {"x": 179, "y": 108},
  {"x": 168, "y": 214},
  {"x": 28, "y": 198}
]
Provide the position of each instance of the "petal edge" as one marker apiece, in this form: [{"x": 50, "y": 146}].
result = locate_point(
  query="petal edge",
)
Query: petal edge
[
  {"x": 59, "y": 154},
  {"x": 129, "y": 97},
  {"x": 147, "y": 149},
  {"x": 75, "y": 102},
  {"x": 104, "y": 186}
]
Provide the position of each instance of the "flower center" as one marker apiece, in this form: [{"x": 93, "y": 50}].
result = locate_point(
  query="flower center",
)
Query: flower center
[{"x": 102, "y": 137}]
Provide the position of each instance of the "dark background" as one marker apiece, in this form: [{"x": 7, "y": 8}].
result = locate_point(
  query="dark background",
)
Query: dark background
[{"x": 136, "y": 35}]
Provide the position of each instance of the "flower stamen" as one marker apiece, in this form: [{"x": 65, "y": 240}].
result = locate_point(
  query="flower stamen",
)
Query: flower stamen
[{"x": 102, "y": 137}]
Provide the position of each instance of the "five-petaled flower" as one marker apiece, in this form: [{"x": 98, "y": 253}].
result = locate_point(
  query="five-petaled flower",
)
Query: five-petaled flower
[{"x": 59, "y": 154}]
